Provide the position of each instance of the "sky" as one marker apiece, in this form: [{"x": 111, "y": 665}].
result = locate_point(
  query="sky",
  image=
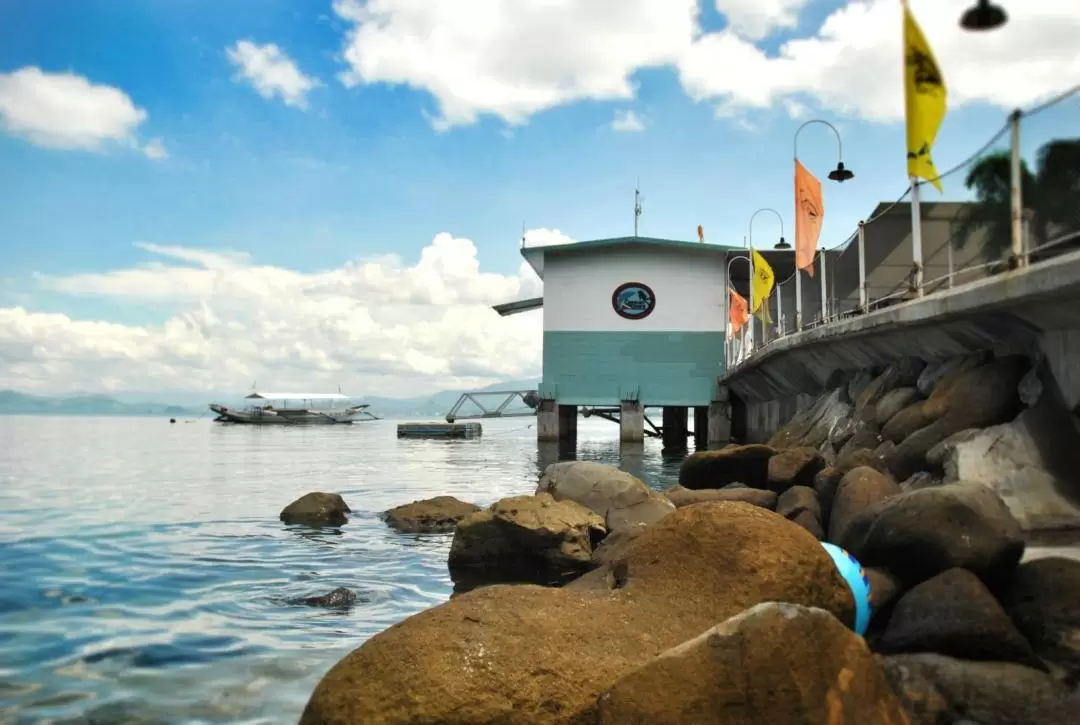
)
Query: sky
[{"x": 199, "y": 195}]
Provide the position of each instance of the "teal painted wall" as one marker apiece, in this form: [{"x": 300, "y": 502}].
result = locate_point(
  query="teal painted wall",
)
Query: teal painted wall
[{"x": 657, "y": 368}]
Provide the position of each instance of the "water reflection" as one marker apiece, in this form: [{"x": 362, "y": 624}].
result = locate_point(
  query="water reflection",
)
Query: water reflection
[{"x": 143, "y": 566}]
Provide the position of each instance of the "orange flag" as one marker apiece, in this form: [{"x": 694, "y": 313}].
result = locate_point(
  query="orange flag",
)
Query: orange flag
[
  {"x": 700, "y": 233},
  {"x": 738, "y": 310},
  {"x": 809, "y": 213}
]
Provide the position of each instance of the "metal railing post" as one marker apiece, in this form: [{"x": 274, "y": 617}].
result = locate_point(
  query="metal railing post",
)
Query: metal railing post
[
  {"x": 863, "y": 302},
  {"x": 1016, "y": 184}
]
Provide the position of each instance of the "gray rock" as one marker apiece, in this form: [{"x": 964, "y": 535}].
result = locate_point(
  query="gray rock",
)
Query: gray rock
[
  {"x": 1043, "y": 600},
  {"x": 920, "y": 534},
  {"x": 955, "y": 614},
  {"x": 939, "y": 690},
  {"x": 620, "y": 498},
  {"x": 340, "y": 598},
  {"x": 893, "y": 402}
]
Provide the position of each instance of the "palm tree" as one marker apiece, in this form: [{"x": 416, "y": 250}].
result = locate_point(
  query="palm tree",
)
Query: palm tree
[{"x": 1051, "y": 198}]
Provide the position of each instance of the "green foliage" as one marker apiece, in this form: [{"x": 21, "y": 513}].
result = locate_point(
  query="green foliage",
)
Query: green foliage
[{"x": 1051, "y": 195}]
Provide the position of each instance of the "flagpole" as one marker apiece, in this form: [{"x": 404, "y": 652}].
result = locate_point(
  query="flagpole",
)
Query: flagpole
[{"x": 916, "y": 238}]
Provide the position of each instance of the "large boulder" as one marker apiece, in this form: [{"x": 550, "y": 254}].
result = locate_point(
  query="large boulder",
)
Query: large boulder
[
  {"x": 978, "y": 398},
  {"x": 1031, "y": 462},
  {"x": 892, "y": 403},
  {"x": 919, "y": 534},
  {"x": 859, "y": 489},
  {"x": 955, "y": 614},
  {"x": 773, "y": 663},
  {"x": 524, "y": 539},
  {"x": 317, "y": 509},
  {"x": 525, "y": 654},
  {"x": 1043, "y": 600},
  {"x": 800, "y": 504},
  {"x": 814, "y": 424},
  {"x": 618, "y": 497},
  {"x": 431, "y": 516},
  {"x": 939, "y": 690},
  {"x": 680, "y": 496},
  {"x": 793, "y": 467},
  {"x": 747, "y": 464}
]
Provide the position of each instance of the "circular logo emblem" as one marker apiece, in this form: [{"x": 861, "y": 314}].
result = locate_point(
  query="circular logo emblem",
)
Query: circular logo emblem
[{"x": 633, "y": 300}]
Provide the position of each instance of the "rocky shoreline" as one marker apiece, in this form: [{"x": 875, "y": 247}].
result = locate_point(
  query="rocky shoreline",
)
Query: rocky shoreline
[{"x": 599, "y": 600}]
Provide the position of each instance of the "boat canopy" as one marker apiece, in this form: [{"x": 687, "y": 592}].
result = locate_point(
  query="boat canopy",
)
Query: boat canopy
[{"x": 298, "y": 396}]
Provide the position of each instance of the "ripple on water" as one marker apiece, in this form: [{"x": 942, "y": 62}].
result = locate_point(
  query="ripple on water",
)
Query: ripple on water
[{"x": 144, "y": 574}]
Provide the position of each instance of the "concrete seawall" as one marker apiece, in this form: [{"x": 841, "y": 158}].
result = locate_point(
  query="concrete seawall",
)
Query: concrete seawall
[{"x": 1028, "y": 450}]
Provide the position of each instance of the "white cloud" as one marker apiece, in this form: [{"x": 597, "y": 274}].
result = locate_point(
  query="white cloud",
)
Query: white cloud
[
  {"x": 545, "y": 238},
  {"x": 512, "y": 59},
  {"x": 67, "y": 111},
  {"x": 852, "y": 64},
  {"x": 627, "y": 122},
  {"x": 271, "y": 72},
  {"x": 376, "y": 325},
  {"x": 755, "y": 19},
  {"x": 155, "y": 149}
]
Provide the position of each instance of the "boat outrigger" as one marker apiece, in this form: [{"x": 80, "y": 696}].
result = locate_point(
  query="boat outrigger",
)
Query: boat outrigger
[{"x": 302, "y": 412}]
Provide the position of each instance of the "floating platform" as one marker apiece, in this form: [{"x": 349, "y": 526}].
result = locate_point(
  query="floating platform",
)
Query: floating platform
[{"x": 439, "y": 430}]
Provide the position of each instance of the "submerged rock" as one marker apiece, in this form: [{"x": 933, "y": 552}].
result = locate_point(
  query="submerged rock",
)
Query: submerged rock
[
  {"x": 317, "y": 509},
  {"x": 430, "y": 516},
  {"x": 517, "y": 655},
  {"x": 340, "y": 598},
  {"x": 773, "y": 663}
]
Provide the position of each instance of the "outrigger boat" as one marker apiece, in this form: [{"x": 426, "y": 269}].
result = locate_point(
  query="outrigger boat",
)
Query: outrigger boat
[{"x": 302, "y": 412}]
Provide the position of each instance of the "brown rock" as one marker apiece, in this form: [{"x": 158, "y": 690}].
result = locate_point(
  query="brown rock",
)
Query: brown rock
[
  {"x": 773, "y": 663},
  {"x": 317, "y": 509},
  {"x": 865, "y": 435},
  {"x": 884, "y": 589},
  {"x": 433, "y": 515},
  {"x": 715, "y": 469},
  {"x": 938, "y": 690},
  {"x": 524, "y": 539},
  {"x": 533, "y": 655},
  {"x": 681, "y": 497},
  {"x": 809, "y": 521},
  {"x": 978, "y": 398},
  {"x": 793, "y": 467},
  {"x": 1043, "y": 600},
  {"x": 615, "y": 545},
  {"x": 955, "y": 614},
  {"x": 825, "y": 485},
  {"x": 796, "y": 500},
  {"x": 907, "y": 421},
  {"x": 855, "y": 457},
  {"x": 618, "y": 497},
  {"x": 859, "y": 489},
  {"x": 920, "y": 534},
  {"x": 893, "y": 402}
]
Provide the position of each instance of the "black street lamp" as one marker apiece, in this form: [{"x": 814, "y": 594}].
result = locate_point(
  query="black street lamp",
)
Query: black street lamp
[
  {"x": 839, "y": 174},
  {"x": 984, "y": 16}
]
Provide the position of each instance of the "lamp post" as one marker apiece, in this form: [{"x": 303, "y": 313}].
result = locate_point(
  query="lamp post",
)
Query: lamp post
[
  {"x": 983, "y": 16},
  {"x": 782, "y": 244},
  {"x": 840, "y": 174}
]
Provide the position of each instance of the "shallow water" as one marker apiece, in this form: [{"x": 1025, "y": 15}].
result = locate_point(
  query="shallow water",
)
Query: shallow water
[{"x": 143, "y": 567}]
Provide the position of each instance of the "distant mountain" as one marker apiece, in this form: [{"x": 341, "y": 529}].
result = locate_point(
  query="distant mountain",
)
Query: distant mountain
[
  {"x": 14, "y": 403},
  {"x": 177, "y": 405}
]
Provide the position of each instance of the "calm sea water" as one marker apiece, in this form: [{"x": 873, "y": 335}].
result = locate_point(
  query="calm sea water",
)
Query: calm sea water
[{"x": 143, "y": 569}]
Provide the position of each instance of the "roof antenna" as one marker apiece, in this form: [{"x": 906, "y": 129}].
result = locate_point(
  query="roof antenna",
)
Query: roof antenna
[
  {"x": 523, "y": 233},
  {"x": 638, "y": 199}
]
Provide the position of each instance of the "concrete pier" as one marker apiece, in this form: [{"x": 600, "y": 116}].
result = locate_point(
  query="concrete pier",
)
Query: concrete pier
[
  {"x": 631, "y": 422},
  {"x": 568, "y": 415},
  {"x": 674, "y": 428},
  {"x": 556, "y": 423}
]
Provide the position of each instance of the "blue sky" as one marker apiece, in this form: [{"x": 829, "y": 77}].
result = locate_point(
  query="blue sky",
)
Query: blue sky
[{"x": 367, "y": 170}]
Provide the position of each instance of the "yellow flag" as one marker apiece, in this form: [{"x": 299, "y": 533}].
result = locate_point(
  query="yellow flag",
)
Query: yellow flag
[
  {"x": 925, "y": 100},
  {"x": 761, "y": 286}
]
